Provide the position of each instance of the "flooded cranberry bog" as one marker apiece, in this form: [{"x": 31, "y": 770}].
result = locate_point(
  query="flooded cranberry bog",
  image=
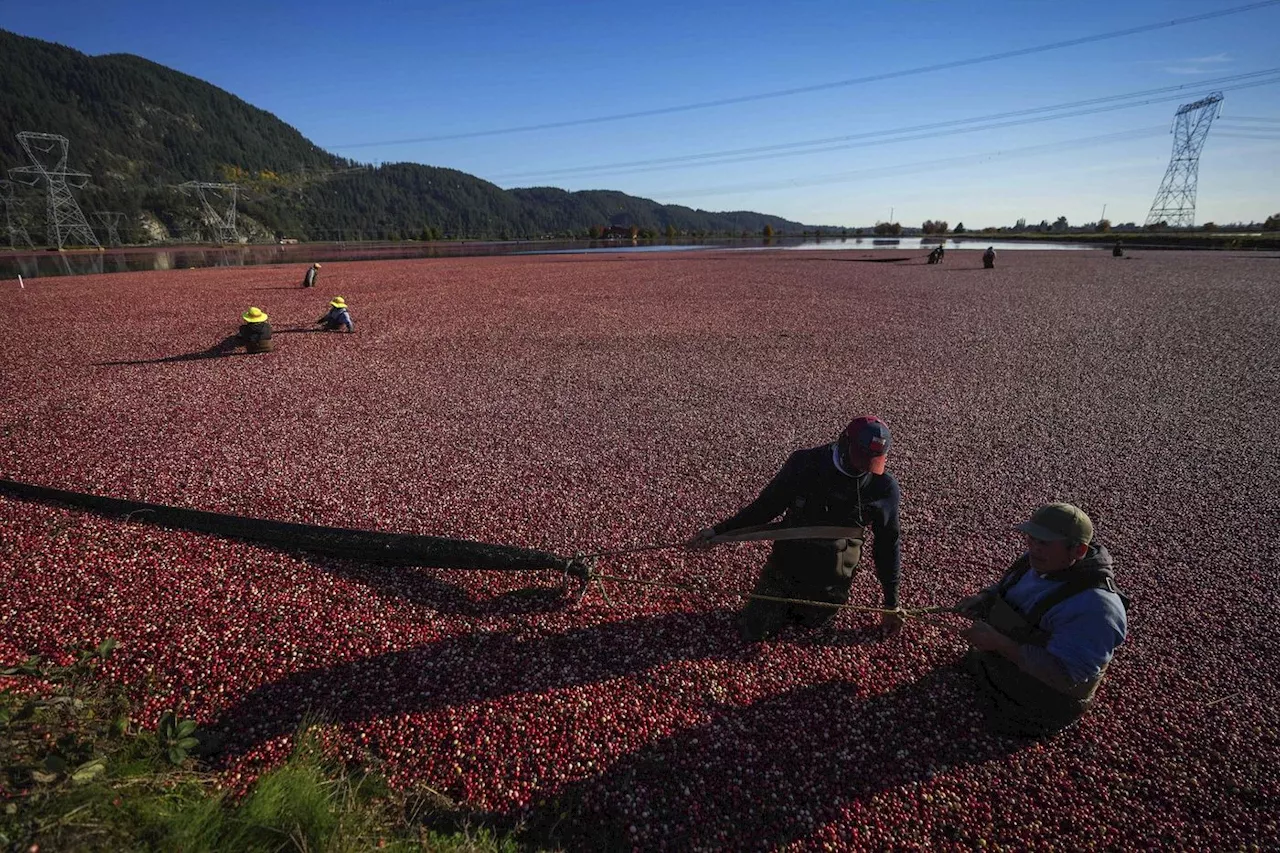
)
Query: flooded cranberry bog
[{"x": 588, "y": 403}]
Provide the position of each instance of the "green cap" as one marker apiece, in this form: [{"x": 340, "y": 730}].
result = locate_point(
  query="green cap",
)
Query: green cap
[{"x": 1057, "y": 522}]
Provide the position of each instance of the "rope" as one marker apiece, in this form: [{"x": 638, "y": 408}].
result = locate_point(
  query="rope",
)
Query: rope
[
  {"x": 762, "y": 532},
  {"x": 905, "y": 612},
  {"x": 409, "y": 549},
  {"x": 585, "y": 563}
]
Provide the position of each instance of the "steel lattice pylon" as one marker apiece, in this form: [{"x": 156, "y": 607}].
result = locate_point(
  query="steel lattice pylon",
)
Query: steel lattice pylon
[
  {"x": 14, "y": 224},
  {"x": 65, "y": 219},
  {"x": 1175, "y": 203},
  {"x": 110, "y": 220},
  {"x": 224, "y": 223}
]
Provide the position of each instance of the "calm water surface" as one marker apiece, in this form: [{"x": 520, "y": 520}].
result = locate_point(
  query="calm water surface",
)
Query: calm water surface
[{"x": 35, "y": 264}]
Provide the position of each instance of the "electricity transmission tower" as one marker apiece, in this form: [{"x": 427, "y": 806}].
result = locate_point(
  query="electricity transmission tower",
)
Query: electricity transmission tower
[
  {"x": 224, "y": 220},
  {"x": 14, "y": 221},
  {"x": 65, "y": 219},
  {"x": 110, "y": 220},
  {"x": 1175, "y": 203}
]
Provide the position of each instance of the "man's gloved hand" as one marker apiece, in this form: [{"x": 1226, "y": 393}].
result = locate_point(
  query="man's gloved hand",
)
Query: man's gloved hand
[
  {"x": 701, "y": 540},
  {"x": 891, "y": 624},
  {"x": 970, "y": 606},
  {"x": 984, "y": 638}
]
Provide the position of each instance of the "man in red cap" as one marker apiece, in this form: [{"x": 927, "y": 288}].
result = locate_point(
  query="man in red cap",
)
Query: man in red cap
[{"x": 838, "y": 485}]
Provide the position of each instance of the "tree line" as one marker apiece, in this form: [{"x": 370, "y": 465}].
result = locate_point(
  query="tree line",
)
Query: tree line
[{"x": 139, "y": 129}]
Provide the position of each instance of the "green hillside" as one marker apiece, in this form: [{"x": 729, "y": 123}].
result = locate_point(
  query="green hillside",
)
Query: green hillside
[{"x": 139, "y": 129}]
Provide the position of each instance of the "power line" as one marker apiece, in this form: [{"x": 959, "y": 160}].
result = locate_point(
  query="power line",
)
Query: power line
[
  {"x": 1250, "y": 118},
  {"x": 819, "y": 87},
  {"x": 924, "y": 165},
  {"x": 1233, "y": 134},
  {"x": 907, "y": 134}
]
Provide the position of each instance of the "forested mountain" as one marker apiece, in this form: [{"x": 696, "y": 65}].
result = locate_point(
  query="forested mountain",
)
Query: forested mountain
[{"x": 139, "y": 129}]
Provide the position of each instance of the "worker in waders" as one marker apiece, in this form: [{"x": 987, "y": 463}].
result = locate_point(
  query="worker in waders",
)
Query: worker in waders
[
  {"x": 255, "y": 332},
  {"x": 1043, "y": 635},
  {"x": 338, "y": 318},
  {"x": 313, "y": 272},
  {"x": 842, "y": 484},
  {"x": 1117, "y": 251},
  {"x": 989, "y": 258}
]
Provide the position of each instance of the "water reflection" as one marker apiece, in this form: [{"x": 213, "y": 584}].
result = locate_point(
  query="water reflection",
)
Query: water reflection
[
  {"x": 33, "y": 264},
  {"x": 918, "y": 243}
]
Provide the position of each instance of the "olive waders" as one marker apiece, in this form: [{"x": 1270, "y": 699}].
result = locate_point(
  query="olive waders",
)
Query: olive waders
[
  {"x": 814, "y": 570},
  {"x": 1016, "y": 702}
]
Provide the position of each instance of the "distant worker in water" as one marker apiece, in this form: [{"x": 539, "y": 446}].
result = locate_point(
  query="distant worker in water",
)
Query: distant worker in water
[
  {"x": 935, "y": 257},
  {"x": 989, "y": 258},
  {"x": 255, "y": 333},
  {"x": 338, "y": 318},
  {"x": 313, "y": 272},
  {"x": 1117, "y": 251}
]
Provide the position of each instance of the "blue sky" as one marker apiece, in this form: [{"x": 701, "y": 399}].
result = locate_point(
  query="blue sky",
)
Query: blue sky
[{"x": 347, "y": 75}]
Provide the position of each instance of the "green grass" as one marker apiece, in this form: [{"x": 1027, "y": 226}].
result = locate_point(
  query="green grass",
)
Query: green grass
[{"x": 78, "y": 777}]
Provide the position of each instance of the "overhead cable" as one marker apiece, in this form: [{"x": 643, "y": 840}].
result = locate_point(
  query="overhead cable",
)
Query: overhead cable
[
  {"x": 905, "y": 168},
  {"x": 819, "y": 87},
  {"x": 907, "y": 134}
]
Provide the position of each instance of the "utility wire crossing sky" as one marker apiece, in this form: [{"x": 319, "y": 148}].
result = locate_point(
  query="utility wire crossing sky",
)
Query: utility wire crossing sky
[{"x": 827, "y": 115}]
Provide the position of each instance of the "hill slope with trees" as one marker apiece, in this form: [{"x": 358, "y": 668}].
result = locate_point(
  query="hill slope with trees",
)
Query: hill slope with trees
[{"x": 139, "y": 129}]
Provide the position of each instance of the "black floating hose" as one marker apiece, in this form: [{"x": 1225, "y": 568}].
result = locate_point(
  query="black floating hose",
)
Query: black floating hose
[{"x": 401, "y": 549}]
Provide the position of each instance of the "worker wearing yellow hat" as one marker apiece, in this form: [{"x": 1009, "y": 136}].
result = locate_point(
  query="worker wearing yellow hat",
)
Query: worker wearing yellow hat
[
  {"x": 313, "y": 272},
  {"x": 337, "y": 318},
  {"x": 255, "y": 333}
]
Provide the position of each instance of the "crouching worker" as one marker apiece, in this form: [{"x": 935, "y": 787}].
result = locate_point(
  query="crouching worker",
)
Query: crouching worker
[
  {"x": 1044, "y": 634},
  {"x": 989, "y": 258},
  {"x": 844, "y": 485},
  {"x": 1117, "y": 251},
  {"x": 338, "y": 317},
  {"x": 255, "y": 333},
  {"x": 313, "y": 272}
]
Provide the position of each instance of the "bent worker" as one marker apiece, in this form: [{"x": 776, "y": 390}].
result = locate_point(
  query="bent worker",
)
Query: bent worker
[
  {"x": 841, "y": 484},
  {"x": 989, "y": 258},
  {"x": 338, "y": 317},
  {"x": 313, "y": 272},
  {"x": 1044, "y": 634},
  {"x": 1117, "y": 251},
  {"x": 255, "y": 333}
]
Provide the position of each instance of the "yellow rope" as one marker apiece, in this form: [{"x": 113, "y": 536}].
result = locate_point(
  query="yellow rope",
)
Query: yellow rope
[{"x": 904, "y": 612}]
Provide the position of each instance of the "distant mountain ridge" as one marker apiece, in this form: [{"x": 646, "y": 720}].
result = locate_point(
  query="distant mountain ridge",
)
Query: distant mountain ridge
[{"x": 139, "y": 128}]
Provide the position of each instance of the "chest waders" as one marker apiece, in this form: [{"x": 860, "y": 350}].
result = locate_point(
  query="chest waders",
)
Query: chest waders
[
  {"x": 1017, "y": 702},
  {"x": 814, "y": 569}
]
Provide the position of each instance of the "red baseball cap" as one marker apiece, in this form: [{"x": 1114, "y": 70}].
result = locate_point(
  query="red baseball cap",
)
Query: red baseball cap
[{"x": 865, "y": 442}]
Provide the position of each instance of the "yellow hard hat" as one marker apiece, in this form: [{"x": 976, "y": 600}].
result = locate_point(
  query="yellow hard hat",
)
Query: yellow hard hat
[
  {"x": 338, "y": 302},
  {"x": 254, "y": 315}
]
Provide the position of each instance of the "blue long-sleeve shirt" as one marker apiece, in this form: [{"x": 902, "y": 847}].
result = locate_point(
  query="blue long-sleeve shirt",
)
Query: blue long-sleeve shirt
[
  {"x": 1084, "y": 630},
  {"x": 339, "y": 317}
]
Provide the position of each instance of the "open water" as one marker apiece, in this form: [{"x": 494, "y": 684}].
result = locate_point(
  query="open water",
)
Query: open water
[{"x": 35, "y": 264}]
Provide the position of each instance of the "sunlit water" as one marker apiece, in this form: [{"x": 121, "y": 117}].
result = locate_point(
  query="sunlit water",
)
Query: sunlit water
[{"x": 34, "y": 264}]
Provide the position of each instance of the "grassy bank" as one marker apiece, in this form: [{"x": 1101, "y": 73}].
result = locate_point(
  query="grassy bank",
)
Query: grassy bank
[{"x": 79, "y": 775}]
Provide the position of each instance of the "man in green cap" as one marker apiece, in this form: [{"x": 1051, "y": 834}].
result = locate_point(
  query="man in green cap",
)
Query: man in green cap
[{"x": 1043, "y": 635}]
